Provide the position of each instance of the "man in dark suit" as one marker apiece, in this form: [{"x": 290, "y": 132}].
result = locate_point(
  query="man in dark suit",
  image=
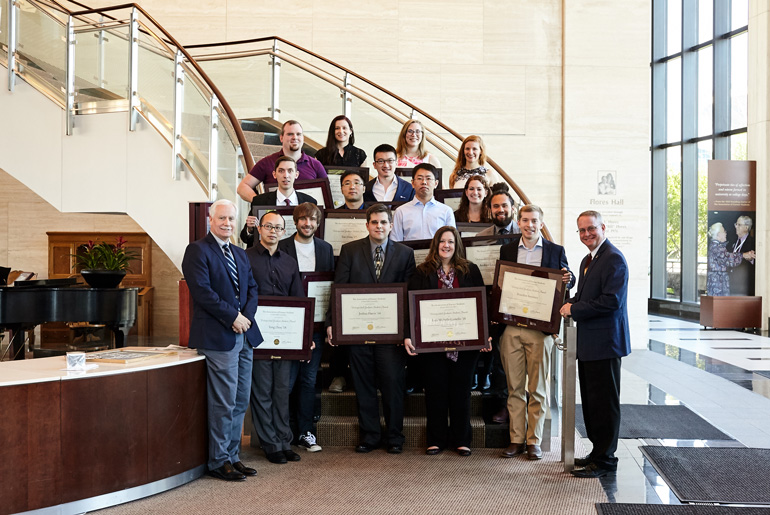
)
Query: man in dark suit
[
  {"x": 601, "y": 313},
  {"x": 285, "y": 172},
  {"x": 387, "y": 186},
  {"x": 526, "y": 353},
  {"x": 377, "y": 366},
  {"x": 742, "y": 276},
  {"x": 224, "y": 297},
  {"x": 312, "y": 255}
]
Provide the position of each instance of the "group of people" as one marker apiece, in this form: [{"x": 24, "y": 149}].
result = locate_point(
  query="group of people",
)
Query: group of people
[
  {"x": 225, "y": 281},
  {"x": 731, "y": 264}
]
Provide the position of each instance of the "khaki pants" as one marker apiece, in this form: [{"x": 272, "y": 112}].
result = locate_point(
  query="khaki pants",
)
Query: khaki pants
[{"x": 526, "y": 355}]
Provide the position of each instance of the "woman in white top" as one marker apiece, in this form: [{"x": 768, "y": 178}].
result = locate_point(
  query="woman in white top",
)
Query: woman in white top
[
  {"x": 410, "y": 149},
  {"x": 470, "y": 161}
]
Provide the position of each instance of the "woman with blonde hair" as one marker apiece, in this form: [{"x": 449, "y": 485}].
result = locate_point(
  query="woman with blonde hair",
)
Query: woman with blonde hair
[
  {"x": 410, "y": 149},
  {"x": 470, "y": 161}
]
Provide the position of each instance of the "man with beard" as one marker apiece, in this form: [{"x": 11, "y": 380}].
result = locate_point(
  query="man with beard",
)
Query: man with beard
[
  {"x": 312, "y": 255},
  {"x": 292, "y": 140},
  {"x": 420, "y": 218},
  {"x": 501, "y": 206}
]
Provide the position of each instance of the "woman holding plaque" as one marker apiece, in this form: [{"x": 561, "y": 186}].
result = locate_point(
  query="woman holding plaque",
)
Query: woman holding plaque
[
  {"x": 410, "y": 149},
  {"x": 470, "y": 161},
  {"x": 339, "y": 149},
  {"x": 448, "y": 375},
  {"x": 473, "y": 207}
]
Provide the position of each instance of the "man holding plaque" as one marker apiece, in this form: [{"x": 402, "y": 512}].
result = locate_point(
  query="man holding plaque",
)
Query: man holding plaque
[
  {"x": 420, "y": 218},
  {"x": 600, "y": 310},
  {"x": 376, "y": 259},
  {"x": 285, "y": 172},
  {"x": 277, "y": 274},
  {"x": 526, "y": 353},
  {"x": 224, "y": 298},
  {"x": 387, "y": 186},
  {"x": 312, "y": 255}
]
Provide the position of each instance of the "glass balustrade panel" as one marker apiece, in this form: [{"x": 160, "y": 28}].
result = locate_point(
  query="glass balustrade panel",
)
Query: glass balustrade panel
[
  {"x": 196, "y": 129},
  {"x": 244, "y": 82},
  {"x": 155, "y": 84},
  {"x": 372, "y": 127},
  {"x": 42, "y": 49},
  {"x": 4, "y": 32},
  {"x": 101, "y": 66},
  {"x": 227, "y": 161}
]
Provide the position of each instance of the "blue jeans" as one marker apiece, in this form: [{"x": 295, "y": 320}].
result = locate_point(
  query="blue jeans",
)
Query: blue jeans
[{"x": 303, "y": 390}]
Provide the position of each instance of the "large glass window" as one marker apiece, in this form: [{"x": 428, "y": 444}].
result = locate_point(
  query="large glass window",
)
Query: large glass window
[{"x": 699, "y": 96}]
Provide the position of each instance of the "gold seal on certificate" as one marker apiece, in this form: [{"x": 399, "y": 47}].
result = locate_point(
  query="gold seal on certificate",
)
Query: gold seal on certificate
[
  {"x": 287, "y": 323},
  {"x": 276, "y": 341}
]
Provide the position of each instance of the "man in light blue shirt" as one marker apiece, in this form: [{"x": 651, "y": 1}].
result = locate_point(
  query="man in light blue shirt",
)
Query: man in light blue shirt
[{"x": 420, "y": 218}]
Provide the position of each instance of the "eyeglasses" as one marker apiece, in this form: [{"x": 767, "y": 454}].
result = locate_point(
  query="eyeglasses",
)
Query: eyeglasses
[
  {"x": 740, "y": 225},
  {"x": 412, "y": 132},
  {"x": 385, "y": 161},
  {"x": 590, "y": 229},
  {"x": 423, "y": 178},
  {"x": 352, "y": 183},
  {"x": 273, "y": 228}
]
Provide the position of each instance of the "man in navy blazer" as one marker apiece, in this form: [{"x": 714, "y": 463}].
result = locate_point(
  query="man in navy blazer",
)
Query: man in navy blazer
[
  {"x": 526, "y": 353},
  {"x": 224, "y": 298},
  {"x": 387, "y": 186},
  {"x": 600, "y": 310},
  {"x": 381, "y": 365}
]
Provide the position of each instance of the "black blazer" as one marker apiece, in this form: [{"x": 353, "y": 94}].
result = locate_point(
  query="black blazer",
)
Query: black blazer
[
  {"x": 324, "y": 253},
  {"x": 553, "y": 256},
  {"x": 269, "y": 199}
]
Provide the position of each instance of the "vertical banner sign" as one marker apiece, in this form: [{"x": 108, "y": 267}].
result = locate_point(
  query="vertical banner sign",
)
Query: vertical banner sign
[{"x": 731, "y": 215}]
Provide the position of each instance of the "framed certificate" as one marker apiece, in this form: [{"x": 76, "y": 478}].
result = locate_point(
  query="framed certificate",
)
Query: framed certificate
[
  {"x": 484, "y": 251},
  {"x": 420, "y": 247},
  {"x": 287, "y": 212},
  {"x": 286, "y": 324},
  {"x": 527, "y": 296},
  {"x": 407, "y": 173},
  {"x": 344, "y": 226},
  {"x": 368, "y": 313},
  {"x": 318, "y": 285},
  {"x": 471, "y": 229},
  {"x": 316, "y": 188},
  {"x": 335, "y": 173},
  {"x": 451, "y": 198},
  {"x": 448, "y": 320}
]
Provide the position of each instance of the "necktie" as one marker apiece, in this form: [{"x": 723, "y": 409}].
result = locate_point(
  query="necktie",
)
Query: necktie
[
  {"x": 503, "y": 231},
  {"x": 588, "y": 262},
  {"x": 378, "y": 261},
  {"x": 231, "y": 268},
  {"x": 288, "y": 202}
]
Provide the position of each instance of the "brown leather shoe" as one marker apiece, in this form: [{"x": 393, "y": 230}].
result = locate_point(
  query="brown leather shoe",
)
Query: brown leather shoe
[
  {"x": 513, "y": 450},
  {"x": 501, "y": 417},
  {"x": 534, "y": 452}
]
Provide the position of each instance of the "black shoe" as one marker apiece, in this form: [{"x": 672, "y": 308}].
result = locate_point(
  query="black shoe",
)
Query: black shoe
[
  {"x": 243, "y": 469},
  {"x": 582, "y": 462},
  {"x": 462, "y": 451},
  {"x": 227, "y": 473},
  {"x": 395, "y": 449},
  {"x": 277, "y": 457},
  {"x": 591, "y": 470},
  {"x": 433, "y": 450},
  {"x": 365, "y": 447},
  {"x": 291, "y": 455}
]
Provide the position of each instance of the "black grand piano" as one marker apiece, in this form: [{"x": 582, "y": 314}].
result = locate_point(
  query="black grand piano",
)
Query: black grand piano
[{"x": 27, "y": 304}]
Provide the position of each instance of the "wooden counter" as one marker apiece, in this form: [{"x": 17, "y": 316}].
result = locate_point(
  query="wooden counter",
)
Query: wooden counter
[{"x": 130, "y": 430}]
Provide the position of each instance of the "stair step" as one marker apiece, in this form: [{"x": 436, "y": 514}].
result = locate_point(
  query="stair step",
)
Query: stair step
[
  {"x": 340, "y": 404},
  {"x": 259, "y": 150}
]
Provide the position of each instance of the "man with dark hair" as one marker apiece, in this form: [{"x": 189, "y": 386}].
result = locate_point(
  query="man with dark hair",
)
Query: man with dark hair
[
  {"x": 285, "y": 173},
  {"x": 292, "y": 140},
  {"x": 526, "y": 353},
  {"x": 387, "y": 186},
  {"x": 600, "y": 309},
  {"x": 501, "y": 207},
  {"x": 352, "y": 185},
  {"x": 224, "y": 297},
  {"x": 312, "y": 255},
  {"x": 421, "y": 217},
  {"x": 277, "y": 274},
  {"x": 377, "y": 259}
]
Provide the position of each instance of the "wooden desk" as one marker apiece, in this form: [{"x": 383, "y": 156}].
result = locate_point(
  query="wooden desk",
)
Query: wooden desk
[{"x": 730, "y": 312}]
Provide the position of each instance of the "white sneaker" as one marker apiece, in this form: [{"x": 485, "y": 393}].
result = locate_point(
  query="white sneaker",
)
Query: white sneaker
[
  {"x": 338, "y": 385},
  {"x": 308, "y": 442}
]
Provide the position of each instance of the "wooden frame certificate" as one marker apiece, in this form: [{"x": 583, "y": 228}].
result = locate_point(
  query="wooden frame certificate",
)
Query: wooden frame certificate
[
  {"x": 368, "y": 313},
  {"x": 319, "y": 189},
  {"x": 448, "y": 320},
  {"x": 528, "y": 296},
  {"x": 319, "y": 286},
  {"x": 286, "y": 324}
]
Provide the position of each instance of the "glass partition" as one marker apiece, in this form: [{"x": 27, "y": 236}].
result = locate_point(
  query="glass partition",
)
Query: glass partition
[
  {"x": 42, "y": 49},
  {"x": 196, "y": 129},
  {"x": 101, "y": 64},
  {"x": 4, "y": 31},
  {"x": 244, "y": 82},
  {"x": 155, "y": 85}
]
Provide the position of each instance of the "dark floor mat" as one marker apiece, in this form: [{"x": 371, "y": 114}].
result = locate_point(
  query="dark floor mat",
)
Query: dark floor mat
[{"x": 678, "y": 509}]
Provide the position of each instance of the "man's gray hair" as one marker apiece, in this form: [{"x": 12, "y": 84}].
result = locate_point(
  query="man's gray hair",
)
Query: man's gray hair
[
  {"x": 745, "y": 220},
  {"x": 595, "y": 214},
  {"x": 222, "y": 202}
]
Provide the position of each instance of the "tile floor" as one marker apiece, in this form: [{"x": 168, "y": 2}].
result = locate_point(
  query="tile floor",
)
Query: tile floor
[{"x": 723, "y": 376}]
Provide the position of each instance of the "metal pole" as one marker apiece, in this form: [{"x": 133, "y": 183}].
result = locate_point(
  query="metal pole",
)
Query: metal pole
[
  {"x": 12, "y": 41},
  {"x": 69, "y": 99},
  {"x": 133, "y": 70},
  {"x": 347, "y": 98},
  {"x": 100, "y": 55},
  {"x": 569, "y": 372},
  {"x": 178, "y": 106},
  {"x": 213, "y": 148},
  {"x": 275, "y": 83}
]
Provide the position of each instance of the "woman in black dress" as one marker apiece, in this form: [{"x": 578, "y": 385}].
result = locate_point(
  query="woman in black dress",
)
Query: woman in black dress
[{"x": 339, "y": 149}]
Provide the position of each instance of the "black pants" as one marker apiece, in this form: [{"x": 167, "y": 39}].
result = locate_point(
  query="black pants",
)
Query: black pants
[
  {"x": 379, "y": 367},
  {"x": 600, "y": 395},
  {"x": 448, "y": 390}
]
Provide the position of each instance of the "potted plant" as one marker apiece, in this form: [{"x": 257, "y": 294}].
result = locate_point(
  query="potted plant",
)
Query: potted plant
[{"x": 104, "y": 265}]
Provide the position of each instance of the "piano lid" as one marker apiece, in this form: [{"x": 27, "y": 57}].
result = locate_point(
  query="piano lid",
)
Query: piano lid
[{"x": 46, "y": 283}]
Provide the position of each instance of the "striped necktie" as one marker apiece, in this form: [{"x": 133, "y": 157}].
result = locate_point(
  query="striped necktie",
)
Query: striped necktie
[
  {"x": 378, "y": 261},
  {"x": 231, "y": 268}
]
